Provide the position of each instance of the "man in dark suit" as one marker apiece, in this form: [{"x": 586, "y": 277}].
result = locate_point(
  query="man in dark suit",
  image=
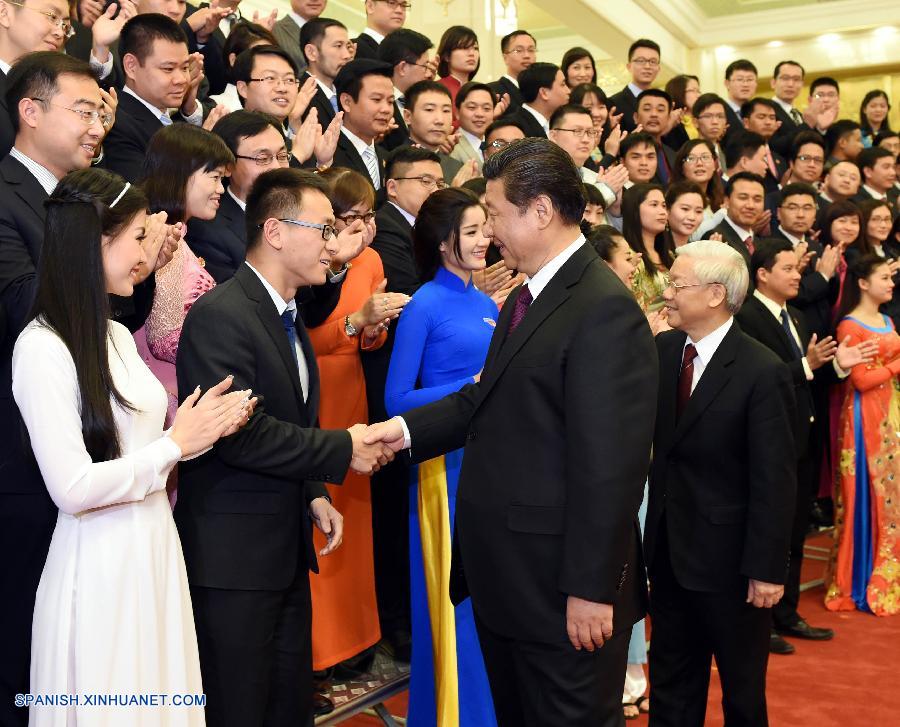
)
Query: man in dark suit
[
  {"x": 7, "y": 134},
  {"x": 744, "y": 203},
  {"x": 543, "y": 88},
  {"x": 643, "y": 65},
  {"x": 767, "y": 317},
  {"x": 147, "y": 42},
  {"x": 327, "y": 48},
  {"x": 722, "y": 490},
  {"x": 547, "y": 541},
  {"x": 429, "y": 116},
  {"x": 366, "y": 96},
  {"x": 246, "y": 509},
  {"x": 787, "y": 83},
  {"x": 519, "y": 50},
  {"x": 406, "y": 51},
  {"x": 383, "y": 17},
  {"x": 741, "y": 79},
  {"x": 877, "y": 168},
  {"x": 653, "y": 108},
  {"x": 759, "y": 116},
  {"x": 54, "y": 142}
]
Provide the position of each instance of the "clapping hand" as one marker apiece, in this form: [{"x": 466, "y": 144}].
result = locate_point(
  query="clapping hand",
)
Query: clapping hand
[
  {"x": 821, "y": 352},
  {"x": 267, "y": 22},
  {"x": 828, "y": 262},
  {"x": 307, "y": 136},
  {"x": 501, "y": 106},
  {"x": 304, "y": 98},
  {"x": 204, "y": 21},
  {"x": 215, "y": 113},
  {"x": 351, "y": 241},
  {"x": 201, "y": 420},
  {"x": 160, "y": 242},
  {"x": 195, "y": 68},
  {"x": 614, "y": 177},
  {"x": 449, "y": 143},
  {"x": 329, "y": 521},
  {"x": 110, "y": 104},
  {"x": 614, "y": 118},
  {"x": 848, "y": 356},
  {"x": 469, "y": 170},
  {"x": 368, "y": 456},
  {"x": 107, "y": 27},
  {"x": 326, "y": 143},
  {"x": 500, "y": 295}
]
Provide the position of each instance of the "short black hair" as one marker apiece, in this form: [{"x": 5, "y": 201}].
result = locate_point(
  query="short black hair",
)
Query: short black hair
[
  {"x": 139, "y": 33},
  {"x": 743, "y": 177},
  {"x": 243, "y": 64},
  {"x": 838, "y": 130},
  {"x": 603, "y": 239},
  {"x": 884, "y": 134},
  {"x": 242, "y": 36},
  {"x": 278, "y": 193},
  {"x": 744, "y": 144},
  {"x": 238, "y": 125},
  {"x": 419, "y": 87},
  {"x": 350, "y": 78},
  {"x": 748, "y": 106},
  {"x": 704, "y": 101},
  {"x": 635, "y": 138},
  {"x": 796, "y": 189},
  {"x": 569, "y": 108},
  {"x": 36, "y": 75},
  {"x": 593, "y": 195},
  {"x": 802, "y": 139},
  {"x": 501, "y": 123},
  {"x": 653, "y": 93},
  {"x": 534, "y": 167},
  {"x": 508, "y": 38},
  {"x": 742, "y": 64},
  {"x": 868, "y": 157},
  {"x": 313, "y": 31},
  {"x": 403, "y": 156},
  {"x": 787, "y": 63},
  {"x": 765, "y": 253},
  {"x": 643, "y": 43},
  {"x": 823, "y": 81},
  {"x": 472, "y": 87},
  {"x": 477, "y": 185},
  {"x": 403, "y": 45},
  {"x": 537, "y": 76}
]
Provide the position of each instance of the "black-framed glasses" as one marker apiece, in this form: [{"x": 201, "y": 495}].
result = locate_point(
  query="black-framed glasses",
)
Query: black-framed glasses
[
  {"x": 427, "y": 181},
  {"x": 57, "y": 21},
  {"x": 275, "y": 80},
  {"x": 495, "y": 144},
  {"x": 350, "y": 218},
  {"x": 88, "y": 117},
  {"x": 265, "y": 159},
  {"x": 396, "y": 3},
  {"x": 327, "y": 230},
  {"x": 581, "y": 133},
  {"x": 691, "y": 158},
  {"x": 651, "y": 62},
  {"x": 810, "y": 158}
]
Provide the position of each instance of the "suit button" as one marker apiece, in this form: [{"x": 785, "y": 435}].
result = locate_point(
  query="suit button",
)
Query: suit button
[{"x": 470, "y": 436}]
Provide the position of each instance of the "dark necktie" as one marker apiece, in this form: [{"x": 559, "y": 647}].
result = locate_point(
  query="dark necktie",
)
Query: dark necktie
[
  {"x": 748, "y": 241},
  {"x": 662, "y": 166},
  {"x": 287, "y": 321},
  {"x": 796, "y": 117},
  {"x": 520, "y": 309},
  {"x": 786, "y": 325},
  {"x": 685, "y": 378}
]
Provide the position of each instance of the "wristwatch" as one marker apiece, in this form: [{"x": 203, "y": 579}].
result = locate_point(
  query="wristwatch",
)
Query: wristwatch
[{"x": 349, "y": 328}]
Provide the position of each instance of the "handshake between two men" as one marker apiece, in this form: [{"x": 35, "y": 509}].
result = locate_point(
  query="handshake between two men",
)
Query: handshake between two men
[{"x": 375, "y": 445}]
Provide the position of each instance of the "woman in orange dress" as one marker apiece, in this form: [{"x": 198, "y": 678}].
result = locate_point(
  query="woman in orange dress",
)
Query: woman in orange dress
[
  {"x": 345, "y": 614},
  {"x": 864, "y": 571}
]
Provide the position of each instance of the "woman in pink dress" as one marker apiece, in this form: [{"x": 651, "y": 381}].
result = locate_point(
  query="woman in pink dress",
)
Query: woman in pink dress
[{"x": 182, "y": 176}]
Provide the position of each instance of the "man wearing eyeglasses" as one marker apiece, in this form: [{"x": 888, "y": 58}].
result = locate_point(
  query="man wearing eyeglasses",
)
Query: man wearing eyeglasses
[
  {"x": 519, "y": 50},
  {"x": 383, "y": 17},
  {"x": 499, "y": 135},
  {"x": 643, "y": 65},
  {"x": 572, "y": 129}
]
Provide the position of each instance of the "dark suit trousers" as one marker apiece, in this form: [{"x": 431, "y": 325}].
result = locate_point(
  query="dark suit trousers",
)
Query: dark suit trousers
[
  {"x": 785, "y": 613},
  {"x": 689, "y": 628},
  {"x": 26, "y": 527},
  {"x": 546, "y": 685},
  {"x": 390, "y": 545},
  {"x": 256, "y": 655}
]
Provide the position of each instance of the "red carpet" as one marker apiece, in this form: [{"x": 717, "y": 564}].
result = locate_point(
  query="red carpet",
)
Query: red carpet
[{"x": 847, "y": 682}]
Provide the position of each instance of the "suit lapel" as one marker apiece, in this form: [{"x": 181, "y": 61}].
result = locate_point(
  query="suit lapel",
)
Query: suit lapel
[
  {"x": 715, "y": 376},
  {"x": 27, "y": 187}
]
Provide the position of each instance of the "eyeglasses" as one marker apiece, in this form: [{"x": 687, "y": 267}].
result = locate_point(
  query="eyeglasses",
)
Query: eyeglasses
[
  {"x": 808, "y": 158},
  {"x": 581, "y": 133},
  {"x": 714, "y": 117},
  {"x": 427, "y": 181},
  {"x": 64, "y": 24},
  {"x": 791, "y": 79},
  {"x": 649, "y": 62},
  {"x": 826, "y": 94},
  {"x": 275, "y": 81},
  {"x": 265, "y": 159},
  {"x": 88, "y": 117},
  {"x": 676, "y": 287},
  {"x": 799, "y": 207},
  {"x": 327, "y": 230},
  {"x": 519, "y": 50},
  {"x": 691, "y": 158},
  {"x": 495, "y": 144},
  {"x": 396, "y": 4},
  {"x": 349, "y": 219}
]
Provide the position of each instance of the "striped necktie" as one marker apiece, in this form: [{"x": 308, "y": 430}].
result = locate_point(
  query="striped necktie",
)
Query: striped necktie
[
  {"x": 165, "y": 120},
  {"x": 371, "y": 160}
]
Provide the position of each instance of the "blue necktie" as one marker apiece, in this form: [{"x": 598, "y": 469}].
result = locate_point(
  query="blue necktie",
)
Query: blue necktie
[
  {"x": 786, "y": 325},
  {"x": 288, "y": 321},
  {"x": 334, "y": 105},
  {"x": 165, "y": 120}
]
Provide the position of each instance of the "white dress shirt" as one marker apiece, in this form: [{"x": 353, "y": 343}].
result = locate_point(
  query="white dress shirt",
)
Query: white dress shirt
[
  {"x": 474, "y": 141},
  {"x": 775, "y": 310},
  {"x": 239, "y": 203},
  {"x": 374, "y": 34},
  {"x": 196, "y": 118},
  {"x": 542, "y": 120},
  {"x": 512, "y": 80},
  {"x": 406, "y": 215},
  {"x": 875, "y": 194},
  {"x": 738, "y": 229},
  {"x": 5, "y": 67},
  {"x": 706, "y": 349},
  {"x": 297, "y": 19},
  {"x": 281, "y": 306},
  {"x": 362, "y": 147},
  {"x": 41, "y": 173}
]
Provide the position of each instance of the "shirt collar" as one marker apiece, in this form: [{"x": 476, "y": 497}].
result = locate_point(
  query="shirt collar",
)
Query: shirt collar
[
  {"x": 130, "y": 91},
  {"x": 451, "y": 280},
  {"x": 740, "y": 230},
  {"x": 735, "y": 106},
  {"x": 635, "y": 89},
  {"x": 296, "y": 18},
  {"x": 43, "y": 175},
  {"x": 474, "y": 141},
  {"x": 793, "y": 239},
  {"x": 329, "y": 92},
  {"x": 242, "y": 205},
  {"x": 784, "y": 104},
  {"x": 551, "y": 267},
  {"x": 378, "y": 37},
  {"x": 512, "y": 80},
  {"x": 874, "y": 193},
  {"x": 770, "y": 304},
  {"x": 707, "y": 346},
  {"x": 406, "y": 215},
  {"x": 358, "y": 143},
  {"x": 542, "y": 120},
  {"x": 281, "y": 305},
  {"x": 4, "y": 66}
]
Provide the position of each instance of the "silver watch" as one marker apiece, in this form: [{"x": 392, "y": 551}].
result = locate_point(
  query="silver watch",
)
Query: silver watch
[{"x": 349, "y": 328}]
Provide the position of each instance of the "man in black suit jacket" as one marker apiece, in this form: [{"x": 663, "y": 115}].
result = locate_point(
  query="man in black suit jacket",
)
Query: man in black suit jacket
[
  {"x": 406, "y": 51},
  {"x": 643, "y": 64},
  {"x": 722, "y": 490},
  {"x": 327, "y": 48},
  {"x": 7, "y": 133},
  {"x": 519, "y": 50},
  {"x": 760, "y": 117},
  {"x": 744, "y": 203},
  {"x": 382, "y": 19},
  {"x": 246, "y": 508},
  {"x": 544, "y": 90},
  {"x": 547, "y": 540},
  {"x": 145, "y": 99},
  {"x": 741, "y": 80},
  {"x": 54, "y": 144}
]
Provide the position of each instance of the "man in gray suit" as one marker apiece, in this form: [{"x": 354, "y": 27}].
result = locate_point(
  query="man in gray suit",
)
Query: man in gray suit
[
  {"x": 287, "y": 30},
  {"x": 475, "y": 107}
]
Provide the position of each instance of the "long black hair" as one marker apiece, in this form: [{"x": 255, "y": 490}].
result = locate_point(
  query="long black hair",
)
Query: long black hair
[
  {"x": 676, "y": 190},
  {"x": 860, "y": 269},
  {"x": 71, "y": 290},
  {"x": 714, "y": 194},
  {"x": 632, "y": 230},
  {"x": 438, "y": 222}
]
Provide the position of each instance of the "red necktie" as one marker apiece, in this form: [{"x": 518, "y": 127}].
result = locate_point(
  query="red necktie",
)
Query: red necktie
[
  {"x": 749, "y": 243},
  {"x": 520, "y": 309},
  {"x": 685, "y": 378}
]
